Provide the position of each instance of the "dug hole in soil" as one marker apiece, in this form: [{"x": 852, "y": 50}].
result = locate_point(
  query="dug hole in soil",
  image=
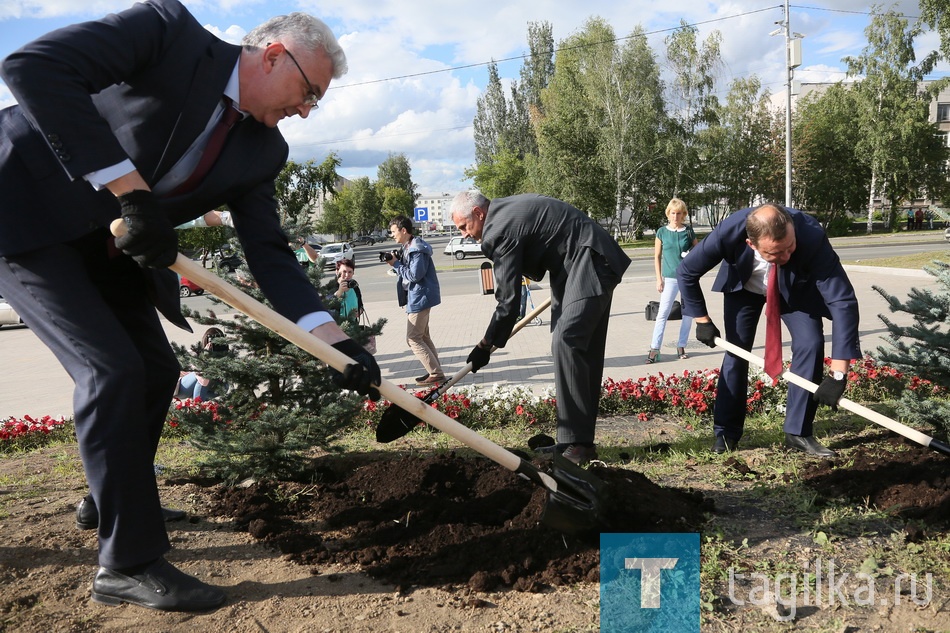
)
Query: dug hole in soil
[
  {"x": 412, "y": 542},
  {"x": 435, "y": 520}
]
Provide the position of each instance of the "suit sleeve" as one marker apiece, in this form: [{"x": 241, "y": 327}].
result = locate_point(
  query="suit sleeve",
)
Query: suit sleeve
[
  {"x": 836, "y": 290},
  {"x": 271, "y": 260},
  {"x": 702, "y": 258},
  {"x": 506, "y": 255},
  {"x": 54, "y": 77}
]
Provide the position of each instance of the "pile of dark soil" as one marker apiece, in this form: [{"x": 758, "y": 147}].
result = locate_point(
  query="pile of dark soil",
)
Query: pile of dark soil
[
  {"x": 447, "y": 519},
  {"x": 901, "y": 478}
]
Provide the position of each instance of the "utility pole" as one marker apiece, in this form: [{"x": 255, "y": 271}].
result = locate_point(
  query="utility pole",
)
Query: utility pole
[{"x": 793, "y": 59}]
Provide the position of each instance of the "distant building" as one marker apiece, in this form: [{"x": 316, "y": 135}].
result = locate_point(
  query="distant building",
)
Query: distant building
[{"x": 438, "y": 205}]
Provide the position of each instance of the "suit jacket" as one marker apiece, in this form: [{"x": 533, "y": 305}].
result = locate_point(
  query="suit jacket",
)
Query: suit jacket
[
  {"x": 529, "y": 235},
  {"x": 813, "y": 281},
  {"x": 140, "y": 84}
]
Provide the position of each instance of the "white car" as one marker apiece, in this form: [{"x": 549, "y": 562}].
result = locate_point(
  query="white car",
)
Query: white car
[
  {"x": 462, "y": 247},
  {"x": 332, "y": 253},
  {"x": 946, "y": 234},
  {"x": 8, "y": 315}
]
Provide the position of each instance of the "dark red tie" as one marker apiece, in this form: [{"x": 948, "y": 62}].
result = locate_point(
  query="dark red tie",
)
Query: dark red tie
[
  {"x": 212, "y": 150},
  {"x": 773, "y": 327}
]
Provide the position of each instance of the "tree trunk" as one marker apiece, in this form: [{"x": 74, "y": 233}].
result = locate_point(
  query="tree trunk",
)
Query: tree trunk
[{"x": 871, "y": 203}]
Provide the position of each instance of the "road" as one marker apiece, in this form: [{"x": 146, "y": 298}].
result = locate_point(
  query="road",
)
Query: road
[{"x": 377, "y": 285}]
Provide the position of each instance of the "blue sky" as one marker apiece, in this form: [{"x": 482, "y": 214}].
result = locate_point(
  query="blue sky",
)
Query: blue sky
[{"x": 403, "y": 93}]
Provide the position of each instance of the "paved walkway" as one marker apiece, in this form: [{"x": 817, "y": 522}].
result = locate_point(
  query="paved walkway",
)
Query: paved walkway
[{"x": 33, "y": 383}]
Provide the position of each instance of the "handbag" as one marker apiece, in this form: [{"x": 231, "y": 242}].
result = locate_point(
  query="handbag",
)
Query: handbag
[
  {"x": 653, "y": 308},
  {"x": 364, "y": 325}
]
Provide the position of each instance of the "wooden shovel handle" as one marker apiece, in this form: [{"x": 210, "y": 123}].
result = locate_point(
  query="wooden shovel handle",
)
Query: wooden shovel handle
[
  {"x": 528, "y": 318},
  {"x": 334, "y": 358},
  {"x": 844, "y": 403}
]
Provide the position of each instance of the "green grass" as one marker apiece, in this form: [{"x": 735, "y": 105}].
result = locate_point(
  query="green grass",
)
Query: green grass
[{"x": 914, "y": 260}]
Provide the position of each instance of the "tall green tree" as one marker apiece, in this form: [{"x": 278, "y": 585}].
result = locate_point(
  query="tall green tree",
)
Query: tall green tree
[
  {"x": 396, "y": 173},
  {"x": 691, "y": 102},
  {"x": 300, "y": 185},
  {"x": 355, "y": 209},
  {"x": 491, "y": 118},
  {"x": 829, "y": 179},
  {"x": 505, "y": 175},
  {"x": 604, "y": 112},
  {"x": 538, "y": 67},
  {"x": 741, "y": 151},
  {"x": 568, "y": 164},
  {"x": 893, "y": 119},
  {"x": 936, "y": 15}
]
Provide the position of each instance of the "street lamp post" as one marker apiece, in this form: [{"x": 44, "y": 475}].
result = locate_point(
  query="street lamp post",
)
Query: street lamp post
[{"x": 793, "y": 59}]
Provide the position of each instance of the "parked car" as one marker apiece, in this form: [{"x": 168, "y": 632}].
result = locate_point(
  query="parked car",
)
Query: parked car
[
  {"x": 186, "y": 287},
  {"x": 367, "y": 240},
  {"x": 8, "y": 315},
  {"x": 946, "y": 234},
  {"x": 226, "y": 261},
  {"x": 462, "y": 247},
  {"x": 332, "y": 253}
]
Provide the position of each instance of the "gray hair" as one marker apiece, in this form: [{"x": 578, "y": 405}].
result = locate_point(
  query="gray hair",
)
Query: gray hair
[
  {"x": 464, "y": 202},
  {"x": 303, "y": 29}
]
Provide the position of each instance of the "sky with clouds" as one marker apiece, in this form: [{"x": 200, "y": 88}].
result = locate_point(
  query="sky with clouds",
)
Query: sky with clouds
[{"x": 417, "y": 67}]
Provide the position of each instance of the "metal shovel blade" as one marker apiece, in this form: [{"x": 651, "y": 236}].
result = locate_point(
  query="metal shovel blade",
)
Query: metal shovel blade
[
  {"x": 396, "y": 422},
  {"x": 576, "y": 497}
]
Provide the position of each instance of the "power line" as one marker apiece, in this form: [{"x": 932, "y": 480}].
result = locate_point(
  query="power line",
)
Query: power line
[{"x": 566, "y": 48}]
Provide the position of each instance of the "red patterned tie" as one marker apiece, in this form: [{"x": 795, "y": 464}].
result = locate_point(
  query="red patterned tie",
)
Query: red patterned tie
[
  {"x": 773, "y": 327},
  {"x": 213, "y": 149}
]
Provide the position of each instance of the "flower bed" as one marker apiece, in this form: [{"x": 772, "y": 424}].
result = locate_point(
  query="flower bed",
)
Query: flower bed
[
  {"x": 687, "y": 396},
  {"x": 22, "y": 434}
]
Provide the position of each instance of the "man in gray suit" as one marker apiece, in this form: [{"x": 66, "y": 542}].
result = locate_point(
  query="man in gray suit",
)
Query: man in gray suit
[
  {"x": 113, "y": 119},
  {"x": 528, "y": 235}
]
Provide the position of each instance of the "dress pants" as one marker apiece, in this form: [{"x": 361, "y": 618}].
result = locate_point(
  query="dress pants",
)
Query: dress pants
[
  {"x": 94, "y": 313},
  {"x": 741, "y": 312},
  {"x": 578, "y": 343}
]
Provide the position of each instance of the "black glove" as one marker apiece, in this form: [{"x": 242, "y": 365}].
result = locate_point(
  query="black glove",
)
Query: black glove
[
  {"x": 829, "y": 392},
  {"x": 478, "y": 357},
  {"x": 151, "y": 240},
  {"x": 364, "y": 376},
  {"x": 707, "y": 333}
]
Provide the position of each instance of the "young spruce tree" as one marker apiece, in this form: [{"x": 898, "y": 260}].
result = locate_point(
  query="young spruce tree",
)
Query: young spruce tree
[
  {"x": 922, "y": 349},
  {"x": 280, "y": 401}
]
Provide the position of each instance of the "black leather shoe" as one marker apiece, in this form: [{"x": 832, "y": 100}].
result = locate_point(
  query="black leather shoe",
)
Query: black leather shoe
[
  {"x": 87, "y": 514},
  {"x": 723, "y": 444},
  {"x": 161, "y": 586},
  {"x": 809, "y": 445}
]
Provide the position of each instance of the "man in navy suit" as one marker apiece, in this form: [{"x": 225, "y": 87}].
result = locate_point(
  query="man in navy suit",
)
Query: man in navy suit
[
  {"x": 813, "y": 285},
  {"x": 113, "y": 117},
  {"x": 530, "y": 235}
]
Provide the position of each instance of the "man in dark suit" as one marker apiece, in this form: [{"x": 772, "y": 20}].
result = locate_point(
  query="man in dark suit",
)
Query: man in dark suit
[
  {"x": 113, "y": 117},
  {"x": 526, "y": 236},
  {"x": 813, "y": 285}
]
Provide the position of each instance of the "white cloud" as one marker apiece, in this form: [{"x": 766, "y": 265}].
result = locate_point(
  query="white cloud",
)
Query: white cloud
[{"x": 402, "y": 94}]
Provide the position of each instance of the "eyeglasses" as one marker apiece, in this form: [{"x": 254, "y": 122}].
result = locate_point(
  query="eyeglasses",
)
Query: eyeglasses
[{"x": 312, "y": 100}]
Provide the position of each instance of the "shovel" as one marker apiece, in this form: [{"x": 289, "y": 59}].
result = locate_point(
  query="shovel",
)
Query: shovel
[
  {"x": 868, "y": 414},
  {"x": 397, "y": 422},
  {"x": 575, "y": 497}
]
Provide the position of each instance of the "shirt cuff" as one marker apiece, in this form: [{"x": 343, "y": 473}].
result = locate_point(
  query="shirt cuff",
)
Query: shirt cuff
[
  {"x": 99, "y": 179},
  {"x": 314, "y": 319}
]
